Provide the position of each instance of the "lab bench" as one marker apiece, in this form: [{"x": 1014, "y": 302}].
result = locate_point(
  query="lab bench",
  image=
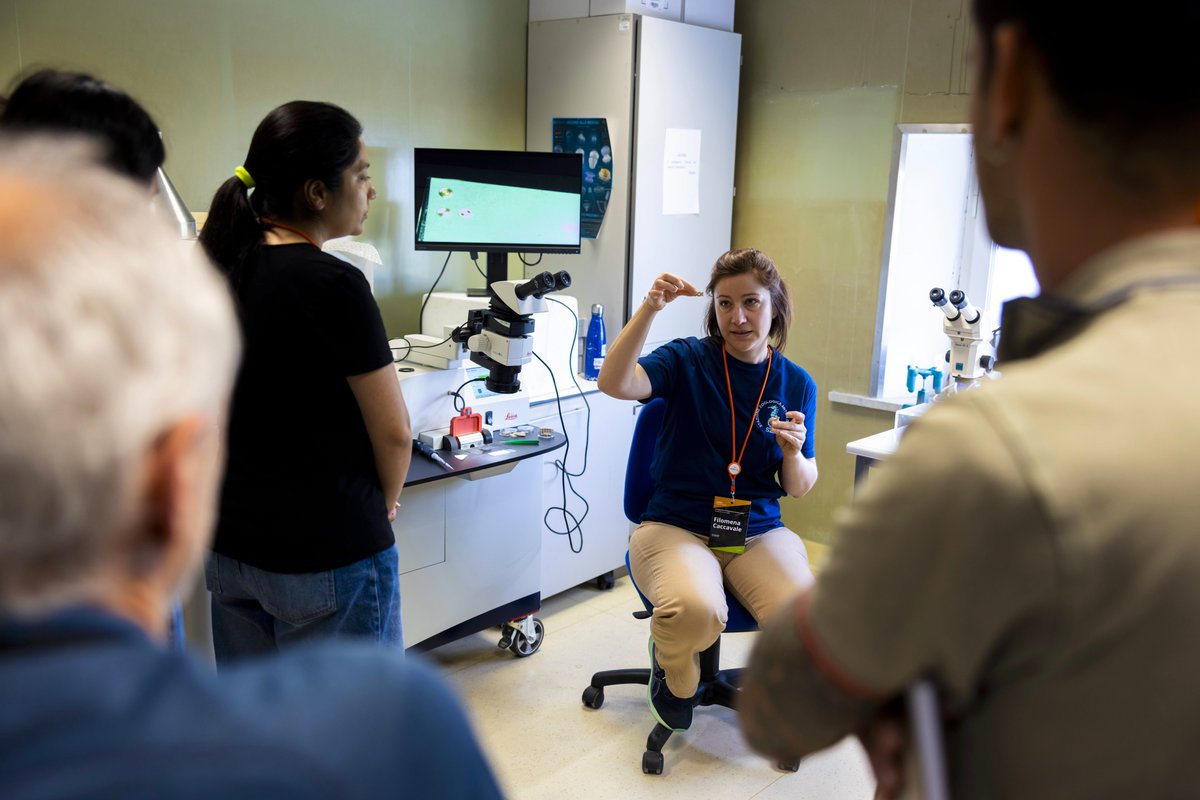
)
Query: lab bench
[
  {"x": 474, "y": 547},
  {"x": 469, "y": 542},
  {"x": 478, "y": 549}
]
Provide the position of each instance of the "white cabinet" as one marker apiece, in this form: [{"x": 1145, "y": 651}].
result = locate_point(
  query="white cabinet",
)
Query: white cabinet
[
  {"x": 468, "y": 553},
  {"x": 597, "y": 544}
]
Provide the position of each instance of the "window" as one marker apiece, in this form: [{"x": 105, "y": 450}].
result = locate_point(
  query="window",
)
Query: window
[{"x": 936, "y": 236}]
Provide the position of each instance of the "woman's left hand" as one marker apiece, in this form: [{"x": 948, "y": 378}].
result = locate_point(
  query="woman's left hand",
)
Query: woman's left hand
[{"x": 790, "y": 433}]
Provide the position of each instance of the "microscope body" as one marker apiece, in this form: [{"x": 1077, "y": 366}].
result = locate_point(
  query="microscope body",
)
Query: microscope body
[
  {"x": 500, "y": 336},
  {"x": 963, "y": 325}
]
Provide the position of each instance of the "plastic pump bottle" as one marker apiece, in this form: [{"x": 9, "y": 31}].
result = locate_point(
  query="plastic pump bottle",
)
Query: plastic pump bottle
[{"x": 597, "y": 344}]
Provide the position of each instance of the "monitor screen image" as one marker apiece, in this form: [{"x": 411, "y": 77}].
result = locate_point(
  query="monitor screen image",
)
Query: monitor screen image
[{"x": 497, "y": 201}]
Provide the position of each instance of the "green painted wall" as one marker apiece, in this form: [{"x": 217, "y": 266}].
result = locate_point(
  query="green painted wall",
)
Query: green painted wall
[
  {"x": 444, "y": 73},
  {"x": 824, "y": 83}
]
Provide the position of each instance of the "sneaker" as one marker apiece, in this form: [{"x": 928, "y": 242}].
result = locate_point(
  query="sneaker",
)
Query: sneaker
[{"x": 670, "y": 711}]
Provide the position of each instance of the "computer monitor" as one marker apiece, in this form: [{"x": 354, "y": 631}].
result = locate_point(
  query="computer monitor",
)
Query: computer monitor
[{"x": 497, "y": 202}]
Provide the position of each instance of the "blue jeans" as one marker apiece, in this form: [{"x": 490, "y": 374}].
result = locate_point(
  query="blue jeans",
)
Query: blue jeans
[{"x": 255, "y": 611}]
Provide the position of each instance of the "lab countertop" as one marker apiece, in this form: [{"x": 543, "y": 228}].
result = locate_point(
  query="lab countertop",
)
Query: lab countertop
[
  {"x": 478, "y": 462},
  {"x": 877, "y": 446}
]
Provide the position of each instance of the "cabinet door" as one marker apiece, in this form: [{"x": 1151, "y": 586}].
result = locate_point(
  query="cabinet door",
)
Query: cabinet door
[
  {"x": 420, "y": 526},
  {"x": 598, "y": 546}
]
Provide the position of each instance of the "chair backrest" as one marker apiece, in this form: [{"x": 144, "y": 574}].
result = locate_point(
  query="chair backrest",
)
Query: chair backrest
[{"x": 639, "y": 483}]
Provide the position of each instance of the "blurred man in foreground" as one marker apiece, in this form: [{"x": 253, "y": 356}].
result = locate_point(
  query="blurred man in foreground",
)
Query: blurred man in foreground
[
  {"x": 118, "y": 351},
  {"x": 1033, "y": 546}
]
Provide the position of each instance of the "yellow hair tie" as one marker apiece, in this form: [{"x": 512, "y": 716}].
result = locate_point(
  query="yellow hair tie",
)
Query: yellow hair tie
[{"x": 244, "y": 177}]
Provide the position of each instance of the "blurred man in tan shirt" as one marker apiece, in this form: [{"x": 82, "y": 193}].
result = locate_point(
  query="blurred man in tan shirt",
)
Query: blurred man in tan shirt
[{"x": 1033, "y": 547}]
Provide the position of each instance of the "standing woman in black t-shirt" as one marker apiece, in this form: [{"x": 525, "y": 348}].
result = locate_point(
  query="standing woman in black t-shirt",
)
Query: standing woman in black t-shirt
[{"x": 319, "y": 435}]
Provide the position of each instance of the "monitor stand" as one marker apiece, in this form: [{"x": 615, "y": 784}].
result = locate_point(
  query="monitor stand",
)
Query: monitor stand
[{"x": 497, "y": 270}]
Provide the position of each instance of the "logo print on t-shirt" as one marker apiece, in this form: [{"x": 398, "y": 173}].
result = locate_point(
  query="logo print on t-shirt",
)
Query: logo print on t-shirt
[{"x": 769, "y": 410}]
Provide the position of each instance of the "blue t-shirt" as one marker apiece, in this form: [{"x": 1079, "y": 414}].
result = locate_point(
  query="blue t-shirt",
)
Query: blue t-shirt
[
  {"x": 92, "y": 708},
  {"x": 694, "y": 448}
]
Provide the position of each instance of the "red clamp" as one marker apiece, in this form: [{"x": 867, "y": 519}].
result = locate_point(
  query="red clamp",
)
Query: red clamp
[{"x": 466, "y": 423}]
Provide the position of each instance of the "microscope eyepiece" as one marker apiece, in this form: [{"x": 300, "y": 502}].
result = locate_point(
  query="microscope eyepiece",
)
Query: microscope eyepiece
[
  {"x": 958, "y": 298},
  {"x": 543, "y": 283},
  {"x": 536, "y": 286},
  {"x": 937, "y": 296}
]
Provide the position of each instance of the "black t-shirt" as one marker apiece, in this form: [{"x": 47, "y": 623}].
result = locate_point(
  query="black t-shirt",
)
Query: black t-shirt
[{"x": 301, "y": 492}]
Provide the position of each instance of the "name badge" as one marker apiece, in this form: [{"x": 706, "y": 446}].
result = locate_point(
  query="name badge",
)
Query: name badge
[{"x": 730, "y": 520}]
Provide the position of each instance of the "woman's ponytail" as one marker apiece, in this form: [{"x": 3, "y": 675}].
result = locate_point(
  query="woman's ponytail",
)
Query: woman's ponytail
[
  {"x": 232, "y": 232},
  {"x": 296, "y": 142}
]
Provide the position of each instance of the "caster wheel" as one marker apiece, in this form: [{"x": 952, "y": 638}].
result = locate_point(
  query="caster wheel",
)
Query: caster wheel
[
  {"x": 522, "y": 646},
  {"x": 789, "y": 766},
  {"x": 652, "y": 763},
  {"x": 605, "y": 582},
  {"x": 593, "y": 697}
]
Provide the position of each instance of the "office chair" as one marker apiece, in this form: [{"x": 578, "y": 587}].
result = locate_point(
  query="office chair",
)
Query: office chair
[{"x": 717, "y": 686}]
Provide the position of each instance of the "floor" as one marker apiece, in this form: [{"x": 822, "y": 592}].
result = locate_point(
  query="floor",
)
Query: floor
[{"x": 543, "y": 743}]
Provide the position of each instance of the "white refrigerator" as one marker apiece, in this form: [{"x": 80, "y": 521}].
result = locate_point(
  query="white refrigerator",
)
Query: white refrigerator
[{"x": 669, "y": 94}]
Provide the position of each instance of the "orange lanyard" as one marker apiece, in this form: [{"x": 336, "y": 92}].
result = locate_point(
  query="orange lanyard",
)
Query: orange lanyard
[
  {"x": 270, "y": 223},
  {"x": 735, "y": 466}
]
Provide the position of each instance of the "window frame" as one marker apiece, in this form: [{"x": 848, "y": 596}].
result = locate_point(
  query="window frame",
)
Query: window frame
[{"x": 972, "y": 270}]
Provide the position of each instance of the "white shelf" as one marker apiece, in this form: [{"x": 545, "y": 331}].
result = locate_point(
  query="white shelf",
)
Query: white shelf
[{"x": 888, "y": 404}]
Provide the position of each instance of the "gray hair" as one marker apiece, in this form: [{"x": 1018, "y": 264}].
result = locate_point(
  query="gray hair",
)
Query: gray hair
[{"x": 112, "y": 330}]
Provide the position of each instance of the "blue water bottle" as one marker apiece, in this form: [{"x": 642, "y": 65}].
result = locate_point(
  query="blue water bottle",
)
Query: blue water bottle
[{"x": 597, "y": 344}]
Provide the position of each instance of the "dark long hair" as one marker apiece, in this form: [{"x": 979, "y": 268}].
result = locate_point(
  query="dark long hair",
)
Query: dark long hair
[
  {"x": 757, "y": 263},
  {"x": 297, "y": 142},
  {"x": 75, "y": 102}
]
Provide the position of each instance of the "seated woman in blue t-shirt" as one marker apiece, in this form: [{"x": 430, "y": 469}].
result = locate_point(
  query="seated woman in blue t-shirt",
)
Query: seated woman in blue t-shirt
[{"x": 737, "y": 436}]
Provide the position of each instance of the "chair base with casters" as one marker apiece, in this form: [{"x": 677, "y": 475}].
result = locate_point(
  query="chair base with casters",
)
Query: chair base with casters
[{"x": 717, "y": 686}]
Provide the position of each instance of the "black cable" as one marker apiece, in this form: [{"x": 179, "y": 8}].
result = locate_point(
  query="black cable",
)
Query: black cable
[
  {"x": 407, "y": 352},
  {"x": 429, "y": 294},
  {"x": 571, "y": 523},
  {"x": 459, "y": 402},
  {"x": 587, "y": 442},
  {"x": 412, "y": 346},
  {"x": 535, "y": 263},
  {"x": 479, "y": 269}
]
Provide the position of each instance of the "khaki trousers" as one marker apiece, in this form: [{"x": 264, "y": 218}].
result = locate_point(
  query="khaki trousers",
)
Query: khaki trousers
[{"x": 685, "y": 582}]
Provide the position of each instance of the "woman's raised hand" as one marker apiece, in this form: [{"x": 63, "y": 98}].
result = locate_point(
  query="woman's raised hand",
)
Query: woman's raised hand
[{"x": 666, "y": 288}]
